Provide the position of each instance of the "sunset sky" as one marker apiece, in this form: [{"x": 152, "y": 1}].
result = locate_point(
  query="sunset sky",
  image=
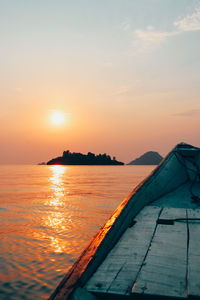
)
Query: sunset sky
[{"x": 124, "y": 74}]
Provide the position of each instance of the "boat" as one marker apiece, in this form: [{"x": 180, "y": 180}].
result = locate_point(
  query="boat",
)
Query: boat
[{"x": 150, "y": 246}]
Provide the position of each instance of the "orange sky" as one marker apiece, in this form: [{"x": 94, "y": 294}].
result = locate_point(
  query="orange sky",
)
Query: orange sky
[{"x": 125, "y": 76}]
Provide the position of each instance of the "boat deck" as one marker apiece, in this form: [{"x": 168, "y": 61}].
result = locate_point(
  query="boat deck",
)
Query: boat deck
[{"x": 157, "y": 256}]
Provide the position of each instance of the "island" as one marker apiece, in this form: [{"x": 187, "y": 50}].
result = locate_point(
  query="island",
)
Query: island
[
  {"x": 74, "y": 158},
  {"x": 148, "y": 158}
]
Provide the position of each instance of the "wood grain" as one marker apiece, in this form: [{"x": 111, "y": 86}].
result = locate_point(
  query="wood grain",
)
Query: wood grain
[
  {"x": 164, "y": 271},
  {"x": 118, "y": 271}
]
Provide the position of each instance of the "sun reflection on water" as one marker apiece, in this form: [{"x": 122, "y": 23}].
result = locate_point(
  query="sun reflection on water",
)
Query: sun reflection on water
[
  {"x": 57, "y": 186},
  {"x": 55, "y": 219},
  {"x": 57, "y": 244}
]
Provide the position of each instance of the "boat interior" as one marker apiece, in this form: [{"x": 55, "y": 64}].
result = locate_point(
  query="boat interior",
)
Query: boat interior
[
  {"x": 156, "y": 255},
  {"x": 154, "y": 250}
]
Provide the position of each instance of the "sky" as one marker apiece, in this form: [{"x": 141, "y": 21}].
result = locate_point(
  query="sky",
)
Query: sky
[{"x": 125, "y": 74}]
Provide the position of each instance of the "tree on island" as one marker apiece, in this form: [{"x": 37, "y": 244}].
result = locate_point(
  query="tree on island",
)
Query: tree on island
[{"x": 74, "y": 158}]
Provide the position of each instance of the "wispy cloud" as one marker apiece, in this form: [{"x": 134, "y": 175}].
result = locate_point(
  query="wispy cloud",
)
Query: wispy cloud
[
  {"x": 190, "y": 22},
  {"x": 17, "y": 90},
  {"x": 125, "y": 25},
  {"x": 151, "y": 37},
  {"x": 148, "y": 39},
  {"x": 121, "y": 90},
  {"x": 189, "y": 113}
]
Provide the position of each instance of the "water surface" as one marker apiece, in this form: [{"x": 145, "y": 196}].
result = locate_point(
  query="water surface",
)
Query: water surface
[{"x": 48, "y": 214}]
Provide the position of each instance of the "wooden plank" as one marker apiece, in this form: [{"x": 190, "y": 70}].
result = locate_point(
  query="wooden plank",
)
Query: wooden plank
[
  {"x": 164, "y": 272},
  {"x": 118, "y": 271},
  {"x": 194, "y": 254}
]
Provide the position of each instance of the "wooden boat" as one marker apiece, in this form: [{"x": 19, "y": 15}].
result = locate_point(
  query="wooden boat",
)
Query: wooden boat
[{"x": 150, "y": 246}]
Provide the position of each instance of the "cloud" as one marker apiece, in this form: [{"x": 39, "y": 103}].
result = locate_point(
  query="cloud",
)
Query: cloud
[
  {"x": 125, "y": 26},
  {"x": 151, "y": 37},
  {"x": 189, "y": 113},
  {"x": 17, "y": 90},
  {"x": 121, "y": 90},
  {"x": 190, "y": 22}
]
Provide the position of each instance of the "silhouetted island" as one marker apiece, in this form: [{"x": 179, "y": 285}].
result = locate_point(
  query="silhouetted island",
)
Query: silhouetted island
[
  {"x": 69, "y": 158},
  {"x": 148, "y": 158}
]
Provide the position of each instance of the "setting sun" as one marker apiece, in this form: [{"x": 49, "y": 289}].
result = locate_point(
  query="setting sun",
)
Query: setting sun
[{"x": 58, "y": 118}]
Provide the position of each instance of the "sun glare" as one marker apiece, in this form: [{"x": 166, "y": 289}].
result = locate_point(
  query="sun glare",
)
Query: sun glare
[{"x": 58, "y": 118}]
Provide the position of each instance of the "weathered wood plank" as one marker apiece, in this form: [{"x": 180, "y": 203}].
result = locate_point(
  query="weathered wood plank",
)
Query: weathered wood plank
[
  {"x": 194, "y": 254},
  {"x": 164, "y": 271},
  {"x": 118, "y": 271}
]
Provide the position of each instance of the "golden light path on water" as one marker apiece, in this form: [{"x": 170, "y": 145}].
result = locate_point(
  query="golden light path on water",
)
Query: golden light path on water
[
  {"x": 57, "y": 185},
  {"x": 56, "y": 220}
]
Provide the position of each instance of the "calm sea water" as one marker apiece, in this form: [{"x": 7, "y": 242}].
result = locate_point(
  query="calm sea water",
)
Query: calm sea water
[{"x": 48, "y": 214}]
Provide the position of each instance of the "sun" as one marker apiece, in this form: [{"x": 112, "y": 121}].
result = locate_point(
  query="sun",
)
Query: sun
[{"x": 57, "y": 118}]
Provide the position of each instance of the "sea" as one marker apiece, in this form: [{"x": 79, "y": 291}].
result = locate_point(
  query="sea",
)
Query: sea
[{"x": 48, "y": 215}]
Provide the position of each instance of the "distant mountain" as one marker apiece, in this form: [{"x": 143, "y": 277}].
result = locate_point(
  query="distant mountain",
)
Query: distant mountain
[
  {"x": 148, "y": 158},
  {"x": 74, "y": 158}
]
